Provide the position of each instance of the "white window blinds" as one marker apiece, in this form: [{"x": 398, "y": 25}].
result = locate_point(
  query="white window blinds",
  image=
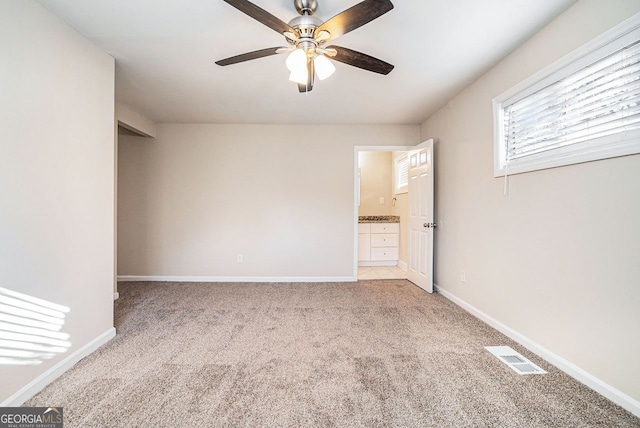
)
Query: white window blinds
[
  {"x": 402, "y": 174},
  {"x": 583, "y": 107},
  {"x": 600, "y": 100}
]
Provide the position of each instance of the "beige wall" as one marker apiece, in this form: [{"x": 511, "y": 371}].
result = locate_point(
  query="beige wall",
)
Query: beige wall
[
  {"x": 194, "y": 197},
  {"x": 558, "y": 259},
  {"x": 56, "y": 176},
  {"x": 376, "y": 181}
]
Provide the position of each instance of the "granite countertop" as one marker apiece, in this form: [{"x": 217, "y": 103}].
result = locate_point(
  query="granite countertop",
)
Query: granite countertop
[{"x": 379, "y": 219}]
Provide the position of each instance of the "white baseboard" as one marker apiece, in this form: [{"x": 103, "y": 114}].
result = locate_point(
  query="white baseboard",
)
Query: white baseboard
[
  {"x": 620, "y": 398},
  {"x": 403, "y": 265},
  {"x": 123, "y": 278},
  {"x": 116, "y": 295},
  {"x": 38, "y": 384}
]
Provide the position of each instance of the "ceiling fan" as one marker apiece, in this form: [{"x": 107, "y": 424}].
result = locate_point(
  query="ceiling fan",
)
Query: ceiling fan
[{"x": 307, "y": 37}]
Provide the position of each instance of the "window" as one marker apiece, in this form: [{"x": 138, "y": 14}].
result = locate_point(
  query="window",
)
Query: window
[
  {"x": 584, "y": 107},
  {"x": 402, "y": 175}
]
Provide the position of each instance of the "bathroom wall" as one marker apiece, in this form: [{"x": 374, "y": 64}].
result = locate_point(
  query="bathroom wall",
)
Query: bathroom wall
[{"x": 376, "y": 181}]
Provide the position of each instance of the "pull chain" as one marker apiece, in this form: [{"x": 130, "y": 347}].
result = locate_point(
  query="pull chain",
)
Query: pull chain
[{"x": 506, "y": 179}]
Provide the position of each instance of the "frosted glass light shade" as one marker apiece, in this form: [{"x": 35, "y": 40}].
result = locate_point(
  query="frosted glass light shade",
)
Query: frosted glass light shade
[
  {"x": 297, "y": 60},
  {"x": 299, "y": 76},
  {"x": 324, "y": 67}
]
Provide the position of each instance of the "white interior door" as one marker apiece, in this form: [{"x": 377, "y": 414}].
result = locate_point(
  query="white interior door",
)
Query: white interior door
[{"x": 421, "y": 222}]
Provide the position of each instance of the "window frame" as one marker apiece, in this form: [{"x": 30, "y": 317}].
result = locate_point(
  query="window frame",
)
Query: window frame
[{"x": 609, "y": 42}]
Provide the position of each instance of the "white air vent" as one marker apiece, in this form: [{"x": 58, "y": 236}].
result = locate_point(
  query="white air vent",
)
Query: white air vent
[{"x": 514, "y": 360}]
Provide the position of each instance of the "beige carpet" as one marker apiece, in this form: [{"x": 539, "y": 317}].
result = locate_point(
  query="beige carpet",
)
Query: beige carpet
[{"x": 366, "y": 354}]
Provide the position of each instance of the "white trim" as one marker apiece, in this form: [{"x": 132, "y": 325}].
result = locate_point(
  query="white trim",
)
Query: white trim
[
  {"x": 116, "y": 295},
  {"x": 618, "y": 397},
  {"x": 615, "y": 38},
  {"x": 39, "y": 383},
  {"x": 132, "y": 120},
  {"x": 602, "y": 40},
  {"x": 403, "y": 265},
  {"x": 156, "y": 278}
]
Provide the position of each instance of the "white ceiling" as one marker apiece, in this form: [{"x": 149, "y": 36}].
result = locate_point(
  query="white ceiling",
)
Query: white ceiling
[{"x": 165, "y": 52}]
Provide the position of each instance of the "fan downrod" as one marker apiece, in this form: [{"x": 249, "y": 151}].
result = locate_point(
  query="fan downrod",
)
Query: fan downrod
[{"x": 306, "y": 7}]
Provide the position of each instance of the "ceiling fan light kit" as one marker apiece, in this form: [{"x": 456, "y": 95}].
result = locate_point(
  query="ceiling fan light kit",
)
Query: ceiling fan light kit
[
  {"x": 324, "y": 67},
  {"x": 296, "y": 59},
  {"x": 306, "y": 35},
  {"x": 299, "y": 75}
]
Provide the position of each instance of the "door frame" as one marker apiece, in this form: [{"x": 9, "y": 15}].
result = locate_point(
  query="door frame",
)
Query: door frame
[{"x": 356, "y": 151}]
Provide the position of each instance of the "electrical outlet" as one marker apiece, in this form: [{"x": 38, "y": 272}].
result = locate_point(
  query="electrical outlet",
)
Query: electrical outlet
[
  {"x": 463, "y": 276},
  {"x": 381, "y": 200},
  {"x": 240, "y": 258}
]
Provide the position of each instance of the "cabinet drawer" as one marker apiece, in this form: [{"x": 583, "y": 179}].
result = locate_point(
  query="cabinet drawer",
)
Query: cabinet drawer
[
  {"x": 384, "y": 240},
  {"x": 364, "y": 227},
  {"x": 385, "y": 228},
  {"x": 384, "y": 253}
]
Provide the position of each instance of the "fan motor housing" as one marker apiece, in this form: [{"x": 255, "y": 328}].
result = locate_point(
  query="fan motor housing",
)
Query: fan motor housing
[{"x": 305, "y": 25}]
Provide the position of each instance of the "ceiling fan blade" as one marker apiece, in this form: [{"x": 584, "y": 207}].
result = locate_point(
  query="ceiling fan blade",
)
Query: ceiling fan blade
[
  {"x": 261, "y": 15},
  {"x": 249, "y": 56},
  {"x": 355, "y": 17},
  {"x": 360, "y": 60}
]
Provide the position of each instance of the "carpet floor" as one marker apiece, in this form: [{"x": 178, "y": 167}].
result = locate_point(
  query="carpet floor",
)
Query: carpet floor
[{"x": 364, "y": 354}]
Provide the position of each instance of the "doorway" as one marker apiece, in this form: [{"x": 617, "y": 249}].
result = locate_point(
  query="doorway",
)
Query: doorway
[
  {"x": 394, "y": 239},
  {"x": 380, "y": 214}
]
